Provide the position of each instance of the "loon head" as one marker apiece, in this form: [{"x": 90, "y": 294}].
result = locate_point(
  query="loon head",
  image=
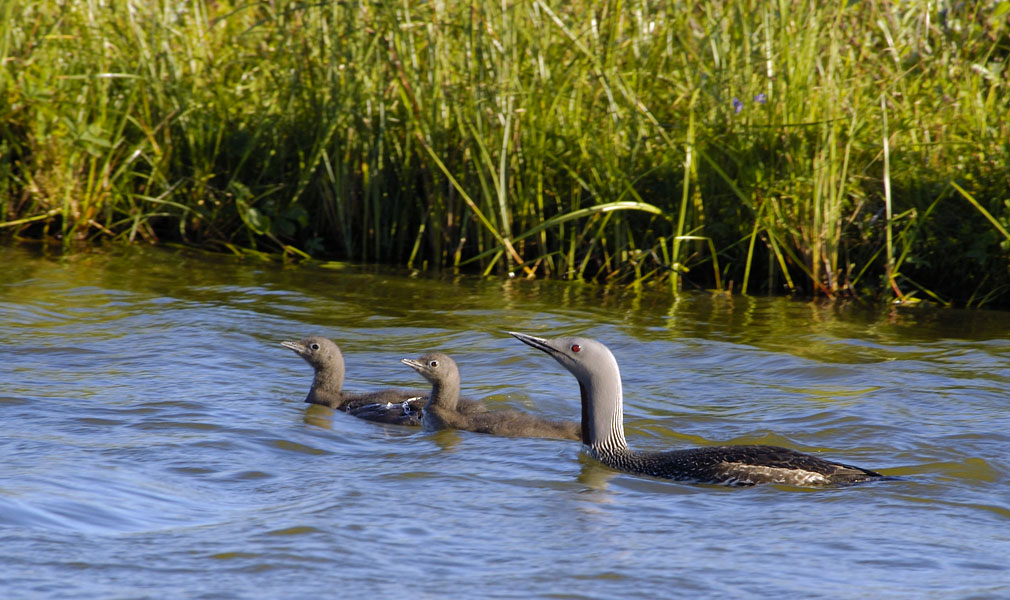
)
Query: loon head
[
  {"x": 434, "y": 366},
  {"x": 318, "y": 351},
  {"x": 325, "y": 358},
  {"x": 589, "y": 361}
]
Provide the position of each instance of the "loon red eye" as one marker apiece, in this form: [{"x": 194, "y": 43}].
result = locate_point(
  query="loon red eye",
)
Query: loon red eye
[{"x": 576, "y": 347}]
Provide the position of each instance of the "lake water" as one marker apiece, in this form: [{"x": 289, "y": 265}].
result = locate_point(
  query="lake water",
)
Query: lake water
[{"x": 154, "y": 442}]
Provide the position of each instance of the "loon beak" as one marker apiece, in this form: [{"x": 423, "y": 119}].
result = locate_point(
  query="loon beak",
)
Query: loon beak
[
  {"x": 296, "y": 346},
  {"x": 538, "y": 343},
  {"x": 413, "y": 364}
]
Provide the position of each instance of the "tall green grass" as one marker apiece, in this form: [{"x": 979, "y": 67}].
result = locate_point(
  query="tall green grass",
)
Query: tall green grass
[{"x": 760, "y": 146}]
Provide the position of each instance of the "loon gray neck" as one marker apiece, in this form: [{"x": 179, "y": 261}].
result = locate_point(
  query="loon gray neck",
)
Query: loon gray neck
[
  {"x": 603, "y": 413},
  {"x": 328, "y": 382},
  {"x": 445, "y": 393}
]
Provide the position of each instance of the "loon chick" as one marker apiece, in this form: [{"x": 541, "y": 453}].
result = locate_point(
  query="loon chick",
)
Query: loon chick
[
  {"x": 397, "y": 407},
  {"x": 603, "y": 433},
  {"x": 443, "y": 412}
]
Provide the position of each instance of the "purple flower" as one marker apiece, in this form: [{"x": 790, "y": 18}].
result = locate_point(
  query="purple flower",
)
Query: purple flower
[
  {"x": 737, "y": 105},
  {"x": 760, "y": 98}
]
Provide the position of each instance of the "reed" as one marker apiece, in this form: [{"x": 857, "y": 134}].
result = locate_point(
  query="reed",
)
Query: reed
[{"x": 734, "y": 143}]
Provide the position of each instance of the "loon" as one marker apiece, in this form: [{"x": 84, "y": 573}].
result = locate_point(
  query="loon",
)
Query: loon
[
  {"x": 397, "y": 407},
  {"x": 599, "y": 378},
  {"x": 442, "y": 410}
]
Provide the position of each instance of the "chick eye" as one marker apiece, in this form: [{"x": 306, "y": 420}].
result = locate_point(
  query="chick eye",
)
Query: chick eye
[
  {"x": 576, "y": 347},
  {"x": 314, "y": 346},
  {"x": 433, "y": 364}
]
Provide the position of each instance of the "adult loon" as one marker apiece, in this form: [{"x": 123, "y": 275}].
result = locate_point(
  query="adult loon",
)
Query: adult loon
[{"x": 595, "y": 367}]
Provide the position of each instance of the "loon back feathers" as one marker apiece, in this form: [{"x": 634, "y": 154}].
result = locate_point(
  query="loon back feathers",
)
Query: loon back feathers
[{"x": 736, "y": 465}]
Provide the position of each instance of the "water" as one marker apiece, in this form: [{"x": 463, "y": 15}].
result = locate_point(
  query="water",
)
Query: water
[{"x": 155, "y": 444}]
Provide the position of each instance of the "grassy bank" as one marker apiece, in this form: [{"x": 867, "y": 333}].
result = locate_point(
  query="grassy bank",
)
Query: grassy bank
[{"x": 771, "y": 146}]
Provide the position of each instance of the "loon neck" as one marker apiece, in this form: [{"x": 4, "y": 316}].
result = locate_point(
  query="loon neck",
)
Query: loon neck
[
  {"x": 444, "y": 394},
  {"x": 603, "y": 415},
  {"x": 328, "y": 382}
]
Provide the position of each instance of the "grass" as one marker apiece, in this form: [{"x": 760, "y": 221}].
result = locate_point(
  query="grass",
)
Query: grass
[{"x": 767, "y": 147}]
